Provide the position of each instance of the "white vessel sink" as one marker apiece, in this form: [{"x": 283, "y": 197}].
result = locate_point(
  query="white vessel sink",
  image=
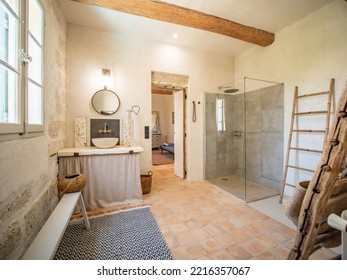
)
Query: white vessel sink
[{"x": 105, "y": 143}]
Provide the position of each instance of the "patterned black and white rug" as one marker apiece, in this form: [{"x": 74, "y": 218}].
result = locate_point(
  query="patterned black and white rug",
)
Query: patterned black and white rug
[{"x": 127, "y": 235}]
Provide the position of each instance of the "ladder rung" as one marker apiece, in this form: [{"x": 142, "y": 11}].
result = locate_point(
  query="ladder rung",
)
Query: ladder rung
[
  {"x": 306, "y": 150},
  {"x": 290, "y": 185},
  {"x": 311, "y": 113},
  {"x": 300, "y": 168},
  {"x": 296, "y": 117},
  {"x": 308, "y": 130},
  {"x": 312, "y": 94}
]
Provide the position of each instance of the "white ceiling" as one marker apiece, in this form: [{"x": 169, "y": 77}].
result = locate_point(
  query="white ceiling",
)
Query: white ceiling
[{"x": 270, "y": 15}]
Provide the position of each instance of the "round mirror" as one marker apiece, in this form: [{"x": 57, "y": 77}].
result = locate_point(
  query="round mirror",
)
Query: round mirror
[{"x": 105, "y": 102}]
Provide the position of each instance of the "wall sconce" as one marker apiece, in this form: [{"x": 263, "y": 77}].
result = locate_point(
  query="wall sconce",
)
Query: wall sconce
[{"x": 106, "y": 74}]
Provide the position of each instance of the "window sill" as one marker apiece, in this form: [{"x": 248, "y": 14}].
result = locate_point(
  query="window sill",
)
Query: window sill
[{"x": 9, "y": 137}]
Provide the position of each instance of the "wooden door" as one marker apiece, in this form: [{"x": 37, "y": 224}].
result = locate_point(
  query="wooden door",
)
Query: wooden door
[{"x": 179, "y": 133}]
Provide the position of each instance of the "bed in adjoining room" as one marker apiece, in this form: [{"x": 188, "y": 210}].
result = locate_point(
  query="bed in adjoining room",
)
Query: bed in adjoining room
[{"x": 169, "y": 147}]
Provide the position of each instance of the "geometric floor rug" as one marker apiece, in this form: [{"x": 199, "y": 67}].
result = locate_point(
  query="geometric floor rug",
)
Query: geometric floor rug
[{"x": 127, "y": 235}]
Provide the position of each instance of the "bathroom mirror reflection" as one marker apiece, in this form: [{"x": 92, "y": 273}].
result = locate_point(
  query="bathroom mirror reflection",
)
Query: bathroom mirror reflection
[
  {"x": 105, "y": 102},
  {"x": 155, "y": 122}
]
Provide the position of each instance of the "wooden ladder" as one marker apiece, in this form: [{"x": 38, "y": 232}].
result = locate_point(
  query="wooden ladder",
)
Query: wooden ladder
[
  {"x": 295, "y": 115},
  {"x": 322, "y": 185}
]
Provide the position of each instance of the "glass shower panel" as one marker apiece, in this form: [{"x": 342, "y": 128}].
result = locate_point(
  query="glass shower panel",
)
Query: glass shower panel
[
  {"x": 264, "y": 107},
  {"x": 224, "y": 138},
  {"x": 244, "y": 138}
]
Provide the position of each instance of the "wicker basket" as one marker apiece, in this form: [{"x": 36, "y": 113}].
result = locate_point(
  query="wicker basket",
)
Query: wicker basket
[
  {"x": 71, "y": 183},
  {"x": 146, "y": 182}
]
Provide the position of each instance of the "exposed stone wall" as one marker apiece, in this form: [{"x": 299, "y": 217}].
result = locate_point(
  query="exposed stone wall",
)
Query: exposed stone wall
[
  {"x": 28, "y": 167},
  {"x": 174, "y": 80}
]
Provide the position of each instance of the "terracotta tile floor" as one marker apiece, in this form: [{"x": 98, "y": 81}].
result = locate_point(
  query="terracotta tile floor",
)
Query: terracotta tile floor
[{"x": 202, "y": 221}]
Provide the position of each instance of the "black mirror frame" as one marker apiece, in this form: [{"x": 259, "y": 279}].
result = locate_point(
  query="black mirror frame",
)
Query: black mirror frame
[{"x": 104, "y": 112}]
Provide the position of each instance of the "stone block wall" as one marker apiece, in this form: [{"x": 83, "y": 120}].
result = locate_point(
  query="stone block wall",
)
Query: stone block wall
[{"x": 28, "y": 167}]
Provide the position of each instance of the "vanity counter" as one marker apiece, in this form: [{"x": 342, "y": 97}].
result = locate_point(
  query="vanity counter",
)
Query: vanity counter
[
  {"x": 89, "y": 151},
  {"x": 113, "y": 175}
]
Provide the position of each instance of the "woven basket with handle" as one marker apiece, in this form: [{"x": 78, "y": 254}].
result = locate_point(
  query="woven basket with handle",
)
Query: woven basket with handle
[
  {"x": 146, "y": 182},
  {"x": 71, "y": 183}
]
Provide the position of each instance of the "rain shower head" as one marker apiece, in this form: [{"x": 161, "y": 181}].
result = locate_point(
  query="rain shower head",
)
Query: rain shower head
[
  {"x": 228, "y": 89},
  {"x": 231, "y": 90}
]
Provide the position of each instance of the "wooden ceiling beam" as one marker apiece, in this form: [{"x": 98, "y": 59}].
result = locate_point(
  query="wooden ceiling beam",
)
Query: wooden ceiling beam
[{"x": 171, "y": 13}]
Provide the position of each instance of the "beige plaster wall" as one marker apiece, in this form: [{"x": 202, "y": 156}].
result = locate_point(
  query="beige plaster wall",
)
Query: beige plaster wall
[
  {"x": 307, "y": 54},
  {"x": 28, "y": 167},
  {"x": 131, "y": 62}
]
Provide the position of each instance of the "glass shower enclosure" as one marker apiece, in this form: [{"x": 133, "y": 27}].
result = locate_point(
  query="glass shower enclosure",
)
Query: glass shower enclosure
[{"x": 243, "y": 144}]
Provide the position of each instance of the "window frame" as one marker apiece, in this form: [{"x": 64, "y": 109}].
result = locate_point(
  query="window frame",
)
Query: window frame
[
  {"x": 22, "y": 129},
  {"x": 220, "y": 109}
]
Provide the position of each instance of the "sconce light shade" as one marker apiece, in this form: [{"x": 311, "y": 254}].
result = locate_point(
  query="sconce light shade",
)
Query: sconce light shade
[
  {"x": 106, "y": 75},
  {"x": 106, "y": 72}
]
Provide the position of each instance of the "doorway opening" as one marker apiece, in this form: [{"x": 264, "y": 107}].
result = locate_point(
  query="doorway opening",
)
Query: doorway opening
[{"x": 168, "y": 129}]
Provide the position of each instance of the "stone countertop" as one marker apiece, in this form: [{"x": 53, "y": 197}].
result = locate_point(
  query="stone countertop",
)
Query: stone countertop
[{"x": 89, "y": 151}]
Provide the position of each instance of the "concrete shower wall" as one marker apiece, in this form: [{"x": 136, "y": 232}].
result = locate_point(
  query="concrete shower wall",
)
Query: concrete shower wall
[
  {"x": 219, "y": 147},
  {"x": 255, "y": 150},
  {"x": 28, "y": 167},
  {"x": 264, "y": 136}
]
